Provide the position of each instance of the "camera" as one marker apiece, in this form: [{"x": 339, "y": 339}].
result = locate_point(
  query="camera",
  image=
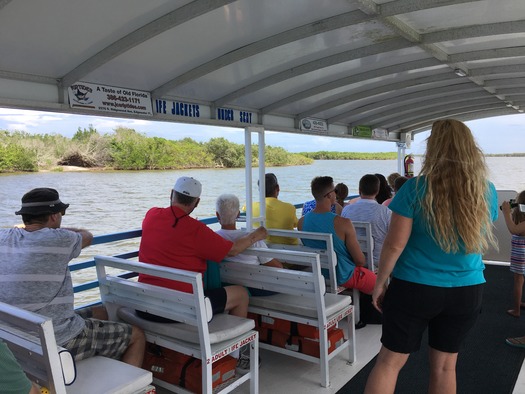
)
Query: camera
[{"x": 514, "y": 204}]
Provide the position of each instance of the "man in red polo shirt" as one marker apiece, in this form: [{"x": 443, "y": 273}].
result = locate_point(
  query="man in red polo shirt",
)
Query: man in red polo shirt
[{"x": 171, "y": 238}]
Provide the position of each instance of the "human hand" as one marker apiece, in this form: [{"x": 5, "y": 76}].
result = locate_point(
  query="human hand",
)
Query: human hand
[
  {"x": 505, "y": 207},
  {"x": 377, "y": 296},
  {"x": 259, "y": 234}
]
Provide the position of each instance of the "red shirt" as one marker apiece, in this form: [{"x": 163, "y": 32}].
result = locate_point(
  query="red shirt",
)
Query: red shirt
[{"x": 186, "y": 246}]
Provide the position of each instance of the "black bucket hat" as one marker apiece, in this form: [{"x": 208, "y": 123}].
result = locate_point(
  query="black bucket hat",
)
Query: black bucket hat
[{"x": 41, "y": 201}]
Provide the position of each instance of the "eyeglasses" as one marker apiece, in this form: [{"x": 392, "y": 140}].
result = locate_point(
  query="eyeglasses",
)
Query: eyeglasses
[{"x": 327, "y": 194}]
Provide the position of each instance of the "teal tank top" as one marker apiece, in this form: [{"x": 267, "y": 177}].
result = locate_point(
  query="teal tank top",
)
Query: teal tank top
[{"x": 324, "y": 223}]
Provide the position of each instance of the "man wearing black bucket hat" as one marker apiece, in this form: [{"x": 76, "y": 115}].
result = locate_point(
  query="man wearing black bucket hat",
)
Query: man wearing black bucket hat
[{"x": 35, "y": 276}]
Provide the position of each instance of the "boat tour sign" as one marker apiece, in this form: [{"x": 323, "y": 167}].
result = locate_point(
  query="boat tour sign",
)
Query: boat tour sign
[
  {"x": 311, "y": 124},
  {"x": 109, "y": 99}
]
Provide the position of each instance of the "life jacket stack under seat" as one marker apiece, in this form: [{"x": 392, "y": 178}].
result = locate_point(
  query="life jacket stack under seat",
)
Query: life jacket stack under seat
[
  {"x": 183, "y": 370},
  {"x": 295, "y": 336}
]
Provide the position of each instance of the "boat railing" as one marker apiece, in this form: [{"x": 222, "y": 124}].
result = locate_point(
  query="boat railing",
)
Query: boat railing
[
  {"x": 501, "y": 234},
  {"x": 116, "y": 237}
]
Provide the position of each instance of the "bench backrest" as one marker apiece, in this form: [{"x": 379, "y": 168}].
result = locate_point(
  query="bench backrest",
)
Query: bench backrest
[
  {"x": 327, "y": 256},
  {"x": 189, "y": 308},
  {"x": 366, "y": 242},
  {"x": 31, "y": 338},
  {"x": 299, "y": 283}
]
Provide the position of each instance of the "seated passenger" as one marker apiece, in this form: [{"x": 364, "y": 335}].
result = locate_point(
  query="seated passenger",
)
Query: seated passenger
[
  {"x": 34, "y": 261},
  {"x": 279, "y": 214},
  {"x": 171, "y": 238},
  {"x": 336, "y": 208},
  {"x": 400, "y": 181},
  {"x": 341, "y": 192},
  {"x": 384, "y": 190},
  {"x": 227, "y": 211},
  {"x": 350, "y": 269},
  {"x": 391, "y": 179},
  {"x": 367, "y": 209}
]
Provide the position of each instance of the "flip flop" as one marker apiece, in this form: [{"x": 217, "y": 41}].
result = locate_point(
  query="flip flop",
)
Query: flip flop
[
  {"x": 511, "y": 313},
  {"x": 516, "y": 342}
]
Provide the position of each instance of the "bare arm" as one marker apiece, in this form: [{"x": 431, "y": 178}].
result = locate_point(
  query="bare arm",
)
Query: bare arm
[
  {"x": 346, "y": 231},
  {"x": 243, "y": 243},
  {"x": 395, "y": 241},
  {"x": 300, "y": 223},
  {"x": 516, "y": 229},
  {"x": 274, "y": 263},
  {"x": 87, "y": 237}
]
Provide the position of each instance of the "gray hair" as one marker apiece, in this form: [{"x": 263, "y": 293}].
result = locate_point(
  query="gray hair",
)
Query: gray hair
[{"x": 227, "y": 206}]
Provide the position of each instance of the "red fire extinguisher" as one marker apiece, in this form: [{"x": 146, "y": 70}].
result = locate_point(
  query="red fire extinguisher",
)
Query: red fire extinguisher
[{"x": 409, "y": 166}]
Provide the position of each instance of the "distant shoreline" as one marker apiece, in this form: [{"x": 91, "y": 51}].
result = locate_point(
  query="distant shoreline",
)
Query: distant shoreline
[{"x": 101, "y": 169}]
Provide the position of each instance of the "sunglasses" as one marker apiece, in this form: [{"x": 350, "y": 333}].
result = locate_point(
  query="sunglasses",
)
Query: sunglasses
[{"x": 327, "y": 194}]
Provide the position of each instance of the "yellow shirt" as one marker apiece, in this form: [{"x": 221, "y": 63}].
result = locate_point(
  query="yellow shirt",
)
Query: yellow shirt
[{"x": 281, "y": 215}]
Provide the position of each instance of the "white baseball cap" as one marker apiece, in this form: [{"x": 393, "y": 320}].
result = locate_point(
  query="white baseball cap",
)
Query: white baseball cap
[{"x": 188, "y": 186}]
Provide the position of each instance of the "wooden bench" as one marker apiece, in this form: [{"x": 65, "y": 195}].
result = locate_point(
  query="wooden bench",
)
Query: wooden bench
[
  {"x": 32, "y": 340},
  {"x": 328, "y": 256},
  {"x": 302, "y": 299},
  {"x": 196, "y": 333}
]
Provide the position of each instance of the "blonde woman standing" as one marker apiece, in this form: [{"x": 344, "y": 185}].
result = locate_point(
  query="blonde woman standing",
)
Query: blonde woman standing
[{"x": 441, "y": 224}]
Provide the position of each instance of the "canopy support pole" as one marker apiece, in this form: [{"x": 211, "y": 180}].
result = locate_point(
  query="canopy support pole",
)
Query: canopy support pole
[{"x": 249, "y": 176}]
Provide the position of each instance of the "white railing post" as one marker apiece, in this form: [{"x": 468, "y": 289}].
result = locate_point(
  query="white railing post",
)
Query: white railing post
[{"x": 248, "y": 175}]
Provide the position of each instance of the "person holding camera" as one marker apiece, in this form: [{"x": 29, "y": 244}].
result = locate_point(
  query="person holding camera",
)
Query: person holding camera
[{"x": 515, "y": 221}]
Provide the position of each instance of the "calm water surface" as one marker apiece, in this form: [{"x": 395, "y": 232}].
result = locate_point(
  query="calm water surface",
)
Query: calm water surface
[{"x": 108, "y": 202}]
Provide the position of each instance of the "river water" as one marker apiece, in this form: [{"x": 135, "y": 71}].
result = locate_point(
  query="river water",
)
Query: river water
[{"x": 114, "y": 201}]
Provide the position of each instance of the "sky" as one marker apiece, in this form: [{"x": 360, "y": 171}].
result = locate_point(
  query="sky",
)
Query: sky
[{"x": 494, "y": 135}]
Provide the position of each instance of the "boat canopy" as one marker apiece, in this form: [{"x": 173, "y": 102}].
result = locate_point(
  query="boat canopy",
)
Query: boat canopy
[{"x": 346, "y": 68}]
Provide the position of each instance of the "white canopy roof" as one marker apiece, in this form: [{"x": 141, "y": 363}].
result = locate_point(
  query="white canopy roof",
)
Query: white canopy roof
[{"x": 392, "y": 65}]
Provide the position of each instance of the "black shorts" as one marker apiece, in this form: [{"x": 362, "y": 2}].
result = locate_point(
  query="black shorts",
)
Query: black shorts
[
  {"x": 218, "y": 303},
  {"x": 448, "y": 312}
]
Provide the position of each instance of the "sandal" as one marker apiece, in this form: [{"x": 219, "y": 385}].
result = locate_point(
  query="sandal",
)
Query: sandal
[
  {"x": 512, "y": 312},
  {"x": 516, "y": 342}
]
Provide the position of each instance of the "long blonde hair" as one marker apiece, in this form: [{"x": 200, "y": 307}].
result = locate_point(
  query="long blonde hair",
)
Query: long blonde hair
[{"x": 455, "y": 202}]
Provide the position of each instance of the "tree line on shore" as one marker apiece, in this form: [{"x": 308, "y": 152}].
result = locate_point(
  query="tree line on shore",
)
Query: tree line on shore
[{"x": 126, "y": 149}]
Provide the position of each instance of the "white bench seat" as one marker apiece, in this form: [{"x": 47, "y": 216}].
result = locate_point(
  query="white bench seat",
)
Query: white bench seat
[
  {"x": 31, "y": 338},
  {"x": 302, "y": 306},
  {"x": 117, "y": 377},
  {"x": 194, "y": 335},
  {"x": 301, "y": 298},
  {"x": 327, "y": 255},
  {"x": 221, "y": 328}
]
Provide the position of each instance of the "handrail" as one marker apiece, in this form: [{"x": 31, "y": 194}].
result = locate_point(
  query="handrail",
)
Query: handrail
[
  {"x": 114, "y": 237},
  {"x": 109, "y": 238}
]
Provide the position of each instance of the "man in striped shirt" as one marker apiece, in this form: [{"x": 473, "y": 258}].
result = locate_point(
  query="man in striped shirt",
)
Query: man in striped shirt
[{"x": 35, "y": 276}]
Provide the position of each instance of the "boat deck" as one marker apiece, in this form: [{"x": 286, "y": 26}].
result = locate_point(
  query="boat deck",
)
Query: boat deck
[{"x": 281, "y": 374}]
